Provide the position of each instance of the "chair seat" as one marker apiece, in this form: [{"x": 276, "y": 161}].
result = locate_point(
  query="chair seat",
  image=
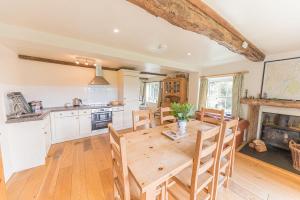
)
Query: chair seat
[
  {"x": 179, "y": 193},
  {"x": 185, "y": 178}
]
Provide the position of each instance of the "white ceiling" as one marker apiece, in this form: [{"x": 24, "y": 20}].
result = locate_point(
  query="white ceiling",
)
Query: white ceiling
[{"x": 273, "y": 26}]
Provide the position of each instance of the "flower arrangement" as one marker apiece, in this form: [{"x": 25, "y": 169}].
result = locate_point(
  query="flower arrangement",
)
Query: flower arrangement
[{"x": 182, "y": 112}]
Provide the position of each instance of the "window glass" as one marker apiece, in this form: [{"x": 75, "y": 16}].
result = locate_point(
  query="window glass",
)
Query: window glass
[
  {"x": 152, "y": 92},
  {"x": 219, "y": 94}
]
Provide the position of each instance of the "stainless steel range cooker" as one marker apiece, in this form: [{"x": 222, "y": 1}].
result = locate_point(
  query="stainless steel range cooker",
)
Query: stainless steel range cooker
[{"x": 101, "y": 117}]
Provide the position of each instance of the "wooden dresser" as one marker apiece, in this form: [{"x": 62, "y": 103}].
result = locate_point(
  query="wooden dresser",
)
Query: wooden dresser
[{"x": 174, "y": 90}]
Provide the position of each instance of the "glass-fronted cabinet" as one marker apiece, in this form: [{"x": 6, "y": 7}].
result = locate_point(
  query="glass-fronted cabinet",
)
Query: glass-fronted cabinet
[{"x": 174, "y": 88}]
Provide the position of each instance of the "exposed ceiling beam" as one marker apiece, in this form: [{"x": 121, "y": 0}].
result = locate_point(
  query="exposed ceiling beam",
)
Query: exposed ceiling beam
[
  {"x": 61, "y": 62},
  {"x": 196, "y": 16}
]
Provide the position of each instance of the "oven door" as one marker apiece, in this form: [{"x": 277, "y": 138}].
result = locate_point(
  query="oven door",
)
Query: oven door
[{"x": 100, "y": 120}]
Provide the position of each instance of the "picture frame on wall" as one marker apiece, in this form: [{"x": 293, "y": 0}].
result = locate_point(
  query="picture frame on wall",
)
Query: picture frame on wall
[{"x": 280, "y": 79}]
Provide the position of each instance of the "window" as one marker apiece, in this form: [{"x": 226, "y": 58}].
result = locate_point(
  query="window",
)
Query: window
[
  {"x": 219, "y": 94},
  {"x": 152, "y": 92}
]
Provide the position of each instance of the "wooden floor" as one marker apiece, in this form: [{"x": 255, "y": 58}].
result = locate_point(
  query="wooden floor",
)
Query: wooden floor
[{"x": 81, "y": 170}]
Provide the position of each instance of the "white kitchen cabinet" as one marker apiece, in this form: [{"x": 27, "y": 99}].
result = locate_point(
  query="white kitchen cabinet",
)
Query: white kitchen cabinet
[
  {"x": 85, "y": 125},
  {"x": 129, "y": 90},
  {"x": 27, "y": 144},
  {"x": 65, "y": 128},
  {"x": 117, "y": 117},
  {"x": 47, "y": 134},
  {"x": 70, "y": 125}
]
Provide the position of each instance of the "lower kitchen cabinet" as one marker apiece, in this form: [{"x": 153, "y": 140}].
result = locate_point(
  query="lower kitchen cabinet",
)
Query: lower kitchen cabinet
[
  {"x": 28, "y": 144},
  {"x": 70, "y": 125},
  {"x": 66, "y": 128},
  {"x": 117, "y": 118},
  {"x": 47, "y": 133},
  {"x": 85, "y": 125}
]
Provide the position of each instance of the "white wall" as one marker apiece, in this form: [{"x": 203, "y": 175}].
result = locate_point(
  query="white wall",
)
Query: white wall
[
  {"x": 253, "y": 79},
  {"x": 54, "y": 84}
]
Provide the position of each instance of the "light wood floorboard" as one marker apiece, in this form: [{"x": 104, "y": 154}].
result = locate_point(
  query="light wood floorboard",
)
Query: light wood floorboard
[{"x": 81, "y": 170}]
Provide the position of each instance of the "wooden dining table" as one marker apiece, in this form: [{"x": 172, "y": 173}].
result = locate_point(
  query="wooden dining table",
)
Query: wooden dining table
[{"x": 153, "y": 158}]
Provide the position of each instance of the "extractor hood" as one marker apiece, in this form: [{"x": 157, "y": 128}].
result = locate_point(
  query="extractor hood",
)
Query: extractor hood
[{"x": 99, "y": 79}]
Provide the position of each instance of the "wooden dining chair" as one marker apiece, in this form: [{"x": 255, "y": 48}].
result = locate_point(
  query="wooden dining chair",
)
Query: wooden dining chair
[
  {"x": 119, "y": 166},
  {"x": 125, "y": 187},
  {"x": 213, "y": 116},
  {"x": 197, "y": 181},
  {"x": 141, "y": 118},
  {"x": 164, "y": 117},
  {"x": 225, "y": 162}
]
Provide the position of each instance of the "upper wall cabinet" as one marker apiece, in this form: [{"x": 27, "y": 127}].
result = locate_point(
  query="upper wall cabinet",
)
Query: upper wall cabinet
[{"x": 129, "y": 85}]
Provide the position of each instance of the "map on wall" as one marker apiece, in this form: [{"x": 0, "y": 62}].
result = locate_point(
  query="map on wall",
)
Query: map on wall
[{"x": 282, "y": 79}]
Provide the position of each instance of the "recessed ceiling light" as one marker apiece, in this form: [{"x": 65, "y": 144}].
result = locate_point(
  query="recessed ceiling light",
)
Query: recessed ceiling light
[
  {"x": 95, "y": 64},
  {"x": 189, "y": 54},
  {"x": 77, "y": 62},
  {"x": 116, "y": 30}
]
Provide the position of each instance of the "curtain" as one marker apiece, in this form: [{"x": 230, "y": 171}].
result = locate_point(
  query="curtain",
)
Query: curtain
[
  {"x": 237, "y": 87},
  {"x": 159, "y": 101},
  {"x": 203, "y": 92},
  {"x": 142, "y": 91}
]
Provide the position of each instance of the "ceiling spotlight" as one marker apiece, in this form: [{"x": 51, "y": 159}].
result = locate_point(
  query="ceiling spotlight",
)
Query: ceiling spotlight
[
  {"x": 95, "y": 64},
  {"x": 85, "y": 61},
  {"x": 116, "y": 30},
  {"x": 189, "y": 54}
]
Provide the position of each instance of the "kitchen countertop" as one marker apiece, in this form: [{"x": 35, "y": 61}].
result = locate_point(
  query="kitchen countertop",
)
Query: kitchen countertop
[{"x": 46, "y": 111}]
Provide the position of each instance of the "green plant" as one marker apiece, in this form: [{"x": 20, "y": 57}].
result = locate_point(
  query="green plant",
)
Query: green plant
[{"x": 182, "y": 111}]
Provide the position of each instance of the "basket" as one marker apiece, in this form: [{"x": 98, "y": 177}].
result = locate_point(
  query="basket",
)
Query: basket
[{"x": 295, "y": 150}]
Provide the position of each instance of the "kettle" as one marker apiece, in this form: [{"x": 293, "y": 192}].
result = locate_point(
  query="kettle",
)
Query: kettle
[{"x": 77, "y": 102}]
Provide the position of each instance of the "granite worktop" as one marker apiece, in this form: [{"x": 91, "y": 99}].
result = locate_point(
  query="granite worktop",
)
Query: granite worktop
[{"x": 46, "y": 111}]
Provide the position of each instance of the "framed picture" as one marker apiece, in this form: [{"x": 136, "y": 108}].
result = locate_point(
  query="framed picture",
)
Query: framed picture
[{"x": 281, "y": 79}]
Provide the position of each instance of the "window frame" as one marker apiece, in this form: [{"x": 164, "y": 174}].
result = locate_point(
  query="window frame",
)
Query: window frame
[
  {"x": 217, "y": 97},
  {"x": 155, "y": 94}
]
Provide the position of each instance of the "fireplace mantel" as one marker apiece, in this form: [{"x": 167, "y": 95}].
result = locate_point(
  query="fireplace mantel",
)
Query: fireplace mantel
[
  {"x": 253, "y": 111},
  {"x": 272, "y": 102}
]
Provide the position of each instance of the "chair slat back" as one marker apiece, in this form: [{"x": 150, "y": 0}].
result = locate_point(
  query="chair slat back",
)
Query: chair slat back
[
  {"x": 212, "y": 116},
  {"x": 226, "y": 154},
  {"x": 119, "y": 163},
  {"x": 207, "y": 144},
  {"x": 164, "y": 117},
  {"x": 229, "y": 131},
  {"x": 141, "y": 118}
]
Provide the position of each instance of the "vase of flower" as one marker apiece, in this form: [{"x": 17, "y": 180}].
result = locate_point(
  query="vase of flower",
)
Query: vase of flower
[
  {"x": 182, "y": 113},
  {"x": 182, "y": 126}
]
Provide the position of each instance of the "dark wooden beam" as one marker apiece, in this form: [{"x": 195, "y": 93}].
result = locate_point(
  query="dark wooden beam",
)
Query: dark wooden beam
[
  {"x": 155, "y": 74},
  {"x": 60, "y": 62},
  {"x": 196, "y": 16}
]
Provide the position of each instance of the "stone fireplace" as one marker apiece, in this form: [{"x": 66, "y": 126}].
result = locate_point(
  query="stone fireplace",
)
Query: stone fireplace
[
  {"x": 278, "y": 129},
  {"x": 276, "y": 122},
  {"x": 277, "y": 126}
]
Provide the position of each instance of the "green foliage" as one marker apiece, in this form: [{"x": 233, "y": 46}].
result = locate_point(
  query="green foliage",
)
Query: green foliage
[{"x": 182, "y": 111}]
